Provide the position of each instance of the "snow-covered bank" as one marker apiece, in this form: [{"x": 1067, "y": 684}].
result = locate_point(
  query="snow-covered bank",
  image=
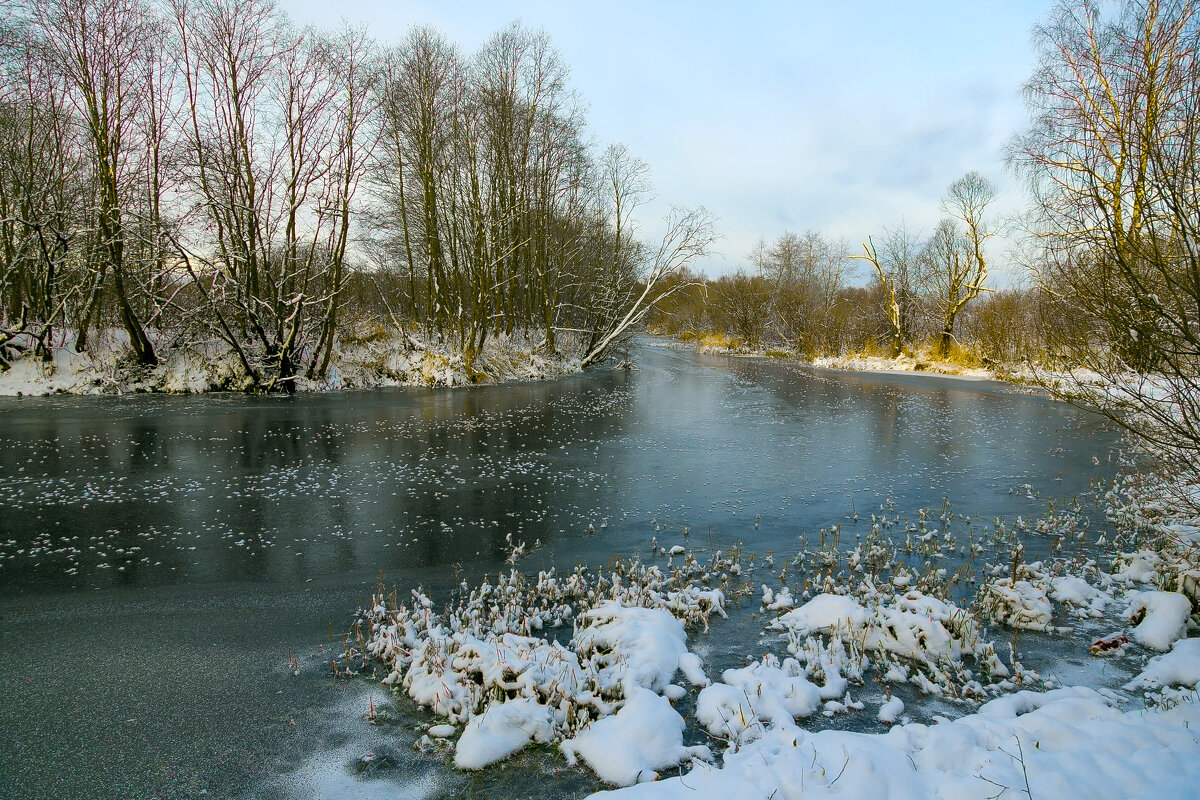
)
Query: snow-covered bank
[
  {"x": 925, "y": 363},
  {"x": 1063, "y": 743},
  {"x": 491, "y": 664},
  {"x": 905, "y": 363},
  {"x": 382, "y": 360}
]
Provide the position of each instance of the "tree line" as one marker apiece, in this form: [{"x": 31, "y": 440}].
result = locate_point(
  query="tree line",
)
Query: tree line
[
  {"x": 923, "y": 292},
  {"x": 190, "y": 169}
]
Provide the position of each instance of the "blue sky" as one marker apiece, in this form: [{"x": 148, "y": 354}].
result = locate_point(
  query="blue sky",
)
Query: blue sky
[{"x": 776, "y": 116}]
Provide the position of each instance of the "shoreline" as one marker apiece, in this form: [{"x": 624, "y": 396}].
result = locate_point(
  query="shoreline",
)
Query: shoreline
[
  {"x": 211, "y": 367},
  {"x": 752, "y": 714},
  {"x": 872, "y": 365}
]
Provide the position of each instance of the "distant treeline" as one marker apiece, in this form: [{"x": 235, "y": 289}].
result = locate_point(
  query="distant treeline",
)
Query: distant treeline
[
  {"x": 190, "y": 169},
  {"x": 923, "y": 294},
  {"x": 1004, "y": 327}
]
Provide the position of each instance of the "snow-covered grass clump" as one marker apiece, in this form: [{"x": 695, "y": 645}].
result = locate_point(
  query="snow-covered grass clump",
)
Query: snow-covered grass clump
[
  {"x": 482, "y": 661},
  {"x": 749, "y": 700},
  {"x": 906, "y": 638},
  {"x": 1020, "y": 600}
]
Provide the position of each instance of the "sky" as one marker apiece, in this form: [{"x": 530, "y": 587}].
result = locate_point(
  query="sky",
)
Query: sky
[{"x": 776, "y": 116}]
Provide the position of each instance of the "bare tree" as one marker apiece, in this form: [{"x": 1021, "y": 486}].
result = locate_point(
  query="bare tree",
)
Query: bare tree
[
  {"x": 743, "y": 306},
  {"x": 275, "y": 119},
  {"x": 99, "y": 47},
  {"x": 44, "y": 187},
  {"x": 688, "y": 234},
  {"x": 897, "y": 269},
  {"x": 806, "y": 272},
  {"x": 349, "y": 60},
  {"x": 954, "y": 257},
  {"x": 1112, "y": 162}
]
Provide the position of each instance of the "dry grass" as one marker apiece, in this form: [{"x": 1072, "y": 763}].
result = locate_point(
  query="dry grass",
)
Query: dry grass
[{"x": 715, "y": 340}]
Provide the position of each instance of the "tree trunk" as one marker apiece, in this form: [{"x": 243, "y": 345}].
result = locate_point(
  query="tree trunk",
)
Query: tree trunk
[
  {"x": 945, "y": 339},
  {"x": 143, "y": 350}
]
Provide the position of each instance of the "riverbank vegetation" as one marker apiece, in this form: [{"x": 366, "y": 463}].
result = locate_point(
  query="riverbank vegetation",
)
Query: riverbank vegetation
[
  {"x": 893, "y": 630},
  {"x": 926, "y": 300},
  {"x": 203, "y": 173}
]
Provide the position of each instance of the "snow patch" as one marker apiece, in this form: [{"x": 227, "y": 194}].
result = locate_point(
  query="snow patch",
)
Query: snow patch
[
  {"x": 646, "y": 735},
  {"x": 1179, "y": 667},
  {"x": 1069, "y": 743},
  {"x": 751, "y": 698},
  {"x": 1085, "y": 599},
  {"x": 1160, "y": 617},
  {"x": 501, "y": 731}
]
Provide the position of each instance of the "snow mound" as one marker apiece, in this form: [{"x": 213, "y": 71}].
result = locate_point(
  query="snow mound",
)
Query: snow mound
[
  {"x": 1139, "y": 567},
  {"x": 646, "y": 735},
  {"x": 647, "y": 643},
  {"x": 825, "y": 613},
  {"x": 1180, "y": 667},
  {"x": 890, "y": 711},
  {"x": 751, "y": 698},
  {"x": 777, "y": 602},
  {"x": 1085, "y": 599},
  {"x": 1160, "y": 617},
  {"x": 1068, "y": 742},
  {"x": 501, "y": 731}
]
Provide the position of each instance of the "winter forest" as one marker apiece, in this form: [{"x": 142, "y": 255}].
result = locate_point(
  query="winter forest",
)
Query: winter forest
[{"x": 195, "y": 171}]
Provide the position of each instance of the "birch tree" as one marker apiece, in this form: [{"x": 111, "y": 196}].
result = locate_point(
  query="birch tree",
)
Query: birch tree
[
  {"x": 1112, "y": 163},
  {"x": 897, "y": 269}
]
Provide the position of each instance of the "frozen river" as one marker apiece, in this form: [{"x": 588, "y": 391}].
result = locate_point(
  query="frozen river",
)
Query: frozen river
[{"x": 163, "y": 558}]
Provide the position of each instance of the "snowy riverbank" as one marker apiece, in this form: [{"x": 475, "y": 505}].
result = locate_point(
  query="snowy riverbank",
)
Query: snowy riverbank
[
  {"x": 212, "y": 366},
  {"x": 492, "y": 666},
  {"x": 907, "y": 363},
  {"x": 1029, "y": 377},
  {"x": 717, "y": 344}
]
